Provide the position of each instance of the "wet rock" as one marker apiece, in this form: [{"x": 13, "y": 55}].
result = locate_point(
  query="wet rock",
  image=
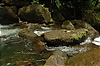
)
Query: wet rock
[
  {"x": 67, "y": 25},
  {"x": 82, "y": 24},
  {"x": 39, "y": 46},
  {"x": 27, "y": 33},
  {"x": 57, "y": 59},
  {"x": 89, "y": 58},
  {"x": 7, "y": 16},
  {"x": 35, "y": 13},
  {"x": 65, "y": 37}
]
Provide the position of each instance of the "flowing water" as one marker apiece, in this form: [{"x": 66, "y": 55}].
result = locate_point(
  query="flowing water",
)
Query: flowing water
[{"x": 15, "y": 51}]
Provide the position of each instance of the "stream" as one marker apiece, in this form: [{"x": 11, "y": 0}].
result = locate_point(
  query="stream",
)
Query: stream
[{"x": 15, "y": 51}]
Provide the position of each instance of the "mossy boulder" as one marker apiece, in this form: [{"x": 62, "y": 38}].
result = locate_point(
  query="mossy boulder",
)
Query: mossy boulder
[
  {"x": 67, "y": 25},
  {"x": 89, "y": 58},
  {"x": 7, "y": 16},
  {"x": 35, "y": 13},
  {"x": 92, "y": 32},
  {"x": 66, "y": 37}
]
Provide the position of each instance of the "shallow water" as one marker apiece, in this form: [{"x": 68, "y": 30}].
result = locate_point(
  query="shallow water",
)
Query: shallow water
[{"x": 15, "y": 51}]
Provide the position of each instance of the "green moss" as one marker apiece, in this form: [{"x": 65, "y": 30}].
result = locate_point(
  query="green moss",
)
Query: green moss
[
  {"x": 68, "y": 63},
  {"x": 22, "y": 32},
  {"x": 78, "y": 35},
  {"x": 58, "y": 38},
  {"x": 51, "y": 20},
  {"x": 28, "y": 10},
  {"x": 71, "y": 24}
]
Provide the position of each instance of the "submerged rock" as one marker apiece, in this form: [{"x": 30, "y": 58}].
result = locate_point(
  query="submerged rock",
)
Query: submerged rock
[
  {"x": 65, "y": 37},
  {"x": 89, "y": 58},
  {"x": 35, "y": 13},
  {"x": 7, "y": 16}
]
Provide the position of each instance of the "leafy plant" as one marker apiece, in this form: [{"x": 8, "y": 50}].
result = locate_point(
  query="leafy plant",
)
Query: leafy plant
[{"x": 35, "y": 2}]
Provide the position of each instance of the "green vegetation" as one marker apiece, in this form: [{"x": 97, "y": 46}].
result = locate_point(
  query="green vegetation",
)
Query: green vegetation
[
  {"x": 60, "y": 11},
  {"x": 68, "y": 9}
]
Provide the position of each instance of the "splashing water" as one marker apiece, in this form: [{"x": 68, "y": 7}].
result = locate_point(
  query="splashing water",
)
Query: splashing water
[
  {"x": 43, "y": 30},
  {"x": 96, "y": 41}
]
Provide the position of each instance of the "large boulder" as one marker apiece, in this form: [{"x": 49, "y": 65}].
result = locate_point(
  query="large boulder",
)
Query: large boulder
[
  {"x": 7, "y": 16},
  {"x": 29, "y": 35},
  {"x": 89, "y": 58},
  {"x": 82, "y": 24},
  {"x": 35, "y": 13},
  {"x": 67, "y": 25},
  {"x": 65, "y": 37},
  {"x": 57, "y": 59}
]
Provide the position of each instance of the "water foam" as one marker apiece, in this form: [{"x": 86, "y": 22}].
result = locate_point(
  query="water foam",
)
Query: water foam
[{"x": 96, "y": 41}]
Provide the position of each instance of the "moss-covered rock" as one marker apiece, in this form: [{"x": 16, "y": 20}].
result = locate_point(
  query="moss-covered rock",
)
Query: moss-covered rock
[
  {"x": 63, "y": 36},
  {"x": 67, "y": 25},
  {"x": 35, "y": 13},
  {"x": 89, "y": 58},
  {"x": 92, "y": 32}
]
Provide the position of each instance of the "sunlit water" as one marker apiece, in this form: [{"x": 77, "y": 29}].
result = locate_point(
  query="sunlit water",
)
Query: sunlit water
[{"x": 15, "y": 50}]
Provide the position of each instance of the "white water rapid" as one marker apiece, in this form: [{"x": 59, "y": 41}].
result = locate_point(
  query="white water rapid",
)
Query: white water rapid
[{"x": 6, "y": 32}]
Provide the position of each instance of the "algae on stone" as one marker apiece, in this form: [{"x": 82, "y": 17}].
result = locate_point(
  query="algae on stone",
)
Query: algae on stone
[
  {"x": 78, "y": 35},
  {"x": 35, "y": 13}
]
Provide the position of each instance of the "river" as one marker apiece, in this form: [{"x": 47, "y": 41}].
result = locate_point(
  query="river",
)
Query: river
[{"x": 15, "y": 50}]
